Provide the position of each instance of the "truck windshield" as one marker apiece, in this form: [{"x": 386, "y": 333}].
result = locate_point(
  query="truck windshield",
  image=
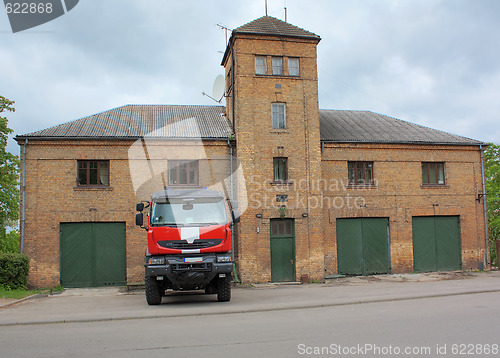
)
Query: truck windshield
[{"x": 189, "y": 212}]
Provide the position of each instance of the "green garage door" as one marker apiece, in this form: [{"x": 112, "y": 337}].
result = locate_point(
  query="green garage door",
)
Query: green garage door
[
  {"x": 436, "y": 243},
  {"x": 363, "y": 246},
  {"x": 92, "y": 254}
]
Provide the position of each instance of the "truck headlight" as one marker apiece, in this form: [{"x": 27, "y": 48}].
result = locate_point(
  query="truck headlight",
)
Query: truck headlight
[
  {"x": 223, "y": 258},
  {"x": 157, "y": 261}
]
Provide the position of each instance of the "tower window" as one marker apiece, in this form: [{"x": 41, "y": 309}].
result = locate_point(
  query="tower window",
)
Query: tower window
[
  {"x": 277, "y": 65},
  {"x": 260, "y": 65},
  {"x": 278, "y": 115},
  {"x": 293, "y": 66},
  {"x": 280, "y": 165}
]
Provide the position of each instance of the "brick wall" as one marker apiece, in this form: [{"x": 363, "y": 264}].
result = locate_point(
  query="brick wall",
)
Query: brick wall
[
  {"x": 258, "y": 143},
  {"x": 317, "y": 192},
  {"x": 399, "y": 195},
  {"x": 52, "y": 196}
]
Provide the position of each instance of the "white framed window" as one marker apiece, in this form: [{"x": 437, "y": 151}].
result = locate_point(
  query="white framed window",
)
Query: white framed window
[
  {"x": 293, "y": 66},
  {"x": 260, "y": 65},
  {"x": 278, "y": 115},
  {"x": 277, "y": 63}
]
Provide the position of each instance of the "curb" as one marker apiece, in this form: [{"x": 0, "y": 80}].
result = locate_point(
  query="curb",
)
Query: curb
[
  {"x": 241, "y": 311},
  {"x": 36, "y": 295}
]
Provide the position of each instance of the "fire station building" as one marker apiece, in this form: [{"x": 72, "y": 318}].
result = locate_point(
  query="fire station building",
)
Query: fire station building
[{"x": 322, "y": 192}]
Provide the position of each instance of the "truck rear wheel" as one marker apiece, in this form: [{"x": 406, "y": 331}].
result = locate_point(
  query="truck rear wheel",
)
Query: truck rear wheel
[
  {"x": 153, "y": 291},
  {"x": 223, "y": 290}
]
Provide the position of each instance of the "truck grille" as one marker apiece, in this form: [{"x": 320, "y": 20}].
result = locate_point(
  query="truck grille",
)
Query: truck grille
[
  {"x": 184, "y": 245},
  {"x": 192, "y": 267}
]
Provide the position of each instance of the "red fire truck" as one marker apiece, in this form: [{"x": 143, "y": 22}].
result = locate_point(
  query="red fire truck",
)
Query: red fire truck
[{"x": 189, "y": 242}]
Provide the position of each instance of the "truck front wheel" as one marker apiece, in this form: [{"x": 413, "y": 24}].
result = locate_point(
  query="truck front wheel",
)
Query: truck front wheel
[
  {"x": 153, "y": 291},
  {"x": 223, "y": 290}
]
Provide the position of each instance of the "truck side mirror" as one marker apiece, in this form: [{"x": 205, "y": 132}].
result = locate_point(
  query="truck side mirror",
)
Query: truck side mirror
[
  {"x": 139, "y": 219},
  {"x": 236, "y": 216},
  {"x": 139, "y": 207}
]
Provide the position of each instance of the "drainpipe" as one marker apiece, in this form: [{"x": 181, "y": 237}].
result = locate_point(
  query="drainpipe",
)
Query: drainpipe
[
  {"x": 233, "y": 111},
  {"x": 23, "y": 191},
  {"x": 231, "y": 195},
  {"x": 486, "y": 256},
  {"x": 233, "y": 84}
]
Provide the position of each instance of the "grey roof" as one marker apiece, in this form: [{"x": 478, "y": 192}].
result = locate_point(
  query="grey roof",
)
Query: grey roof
[
  {"x": 368, "y": 127},
  {"x": 209, "y": 122},
  {"x": 268, "y": 25},
  {"x": 135, "y": 121}
]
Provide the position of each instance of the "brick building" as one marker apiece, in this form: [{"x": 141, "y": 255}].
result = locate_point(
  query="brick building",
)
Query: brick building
[{"x": 324, "y": 191}]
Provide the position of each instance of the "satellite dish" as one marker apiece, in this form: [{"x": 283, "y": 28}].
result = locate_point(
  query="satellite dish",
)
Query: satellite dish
[{"x": 218, "y": 89}]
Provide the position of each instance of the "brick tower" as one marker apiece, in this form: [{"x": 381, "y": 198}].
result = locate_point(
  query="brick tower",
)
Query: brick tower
[{"x": 272, "y": 102}]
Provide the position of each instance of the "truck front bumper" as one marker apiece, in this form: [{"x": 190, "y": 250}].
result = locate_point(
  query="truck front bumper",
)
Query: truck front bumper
[{"x": 188, "y": 272}]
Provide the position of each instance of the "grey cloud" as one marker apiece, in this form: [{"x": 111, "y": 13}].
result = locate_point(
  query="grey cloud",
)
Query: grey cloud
[{"x": 432, "y": 62}]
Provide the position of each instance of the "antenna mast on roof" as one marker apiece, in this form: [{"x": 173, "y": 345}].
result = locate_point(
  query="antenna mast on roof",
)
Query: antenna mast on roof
[
  {"x": 226, "y": 29},
  {"x": 285, "y": 13},
  {"x": 266, "y": 7}
]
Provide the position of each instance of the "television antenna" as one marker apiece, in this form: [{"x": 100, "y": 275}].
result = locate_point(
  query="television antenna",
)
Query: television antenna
[
  {"x": 284, "y": 7},
  {"x": 218, "y": 89},
  {"x": 226, "y": 29}
]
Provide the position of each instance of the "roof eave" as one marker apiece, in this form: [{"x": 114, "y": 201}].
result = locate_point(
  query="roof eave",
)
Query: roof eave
[
  {"x": 228, "y": 48},
  {"x": 308, "y": 37},
  {"x": 316, "y": 38},
  {"x": 19, "y": 139},
  {"x": 402, "y": 142}
]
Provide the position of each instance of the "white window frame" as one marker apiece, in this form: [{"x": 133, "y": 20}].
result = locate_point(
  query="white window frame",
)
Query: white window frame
[
  {"x": 260, "y": 65},
  {"x": 277, "y": 64},
  {"x": 293, "y": 66},
  {"x": 278, "y": 111}
]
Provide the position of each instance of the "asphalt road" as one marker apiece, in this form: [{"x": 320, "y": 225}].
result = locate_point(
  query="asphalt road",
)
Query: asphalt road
[{"x": 423, "y": 327}]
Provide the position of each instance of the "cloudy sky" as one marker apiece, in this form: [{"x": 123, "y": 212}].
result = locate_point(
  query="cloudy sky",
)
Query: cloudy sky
[{"x": 432, "y": 62}]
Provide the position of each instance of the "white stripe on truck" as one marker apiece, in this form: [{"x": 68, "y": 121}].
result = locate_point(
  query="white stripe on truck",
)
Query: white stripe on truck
[
  {"x": 194, "y": 251},
  {"x": 190, "y": 234}
]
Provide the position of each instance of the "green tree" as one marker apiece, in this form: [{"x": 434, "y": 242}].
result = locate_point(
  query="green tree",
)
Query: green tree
[
  {"x": 492, "y": 175},
  {"x": 10, "y": 242},
  {"x": 9, "y": 175}
]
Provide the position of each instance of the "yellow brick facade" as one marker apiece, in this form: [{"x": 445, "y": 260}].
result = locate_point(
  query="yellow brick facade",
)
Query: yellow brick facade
[
  {"x": 258, "y": 143},
  {"x": 399, "y": 195},
  {"x": 317, "y": 189},
  {"x": 53, "y": 197}
]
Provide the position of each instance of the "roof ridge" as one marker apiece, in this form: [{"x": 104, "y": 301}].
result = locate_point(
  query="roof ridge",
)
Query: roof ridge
[{"x": 269, "y": 25}]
